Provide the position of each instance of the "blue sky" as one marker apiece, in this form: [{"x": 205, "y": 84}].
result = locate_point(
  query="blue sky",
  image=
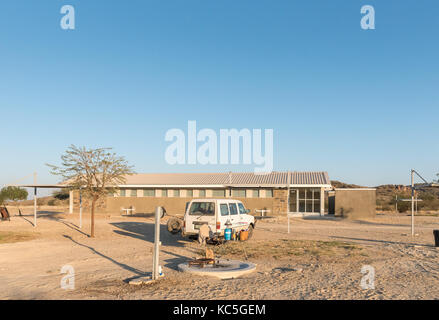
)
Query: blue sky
[{"x": 362, "y": 105}]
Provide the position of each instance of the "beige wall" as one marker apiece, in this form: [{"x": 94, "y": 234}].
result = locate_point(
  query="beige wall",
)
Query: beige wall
[
  {"x": 173, "y": 205},
  {"x": 176, "y": 205},
  {"x": 355, "y": 203}
]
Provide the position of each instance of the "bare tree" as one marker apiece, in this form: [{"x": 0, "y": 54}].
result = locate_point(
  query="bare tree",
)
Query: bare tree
[{"x": 97, "y": 172}]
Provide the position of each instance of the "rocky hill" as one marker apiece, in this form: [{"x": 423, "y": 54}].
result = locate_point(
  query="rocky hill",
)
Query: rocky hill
[{"x": 386, "y": 196}]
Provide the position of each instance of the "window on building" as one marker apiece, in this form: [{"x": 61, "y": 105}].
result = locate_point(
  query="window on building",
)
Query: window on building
[
  {"x": 148, "y": 192},
  {"x": 309, "y": 206},
  {"x": 202, "y": 193},
  {"x": 133, "y": 193},
  {"x": 316, "y": 194},
  {"x": 176, "y": 193},
  {"x": 189, "y": 193},
  {"x": 269, "y": 193},
  {"x": 238, "y": 193},
  {"x": 309, "y": 200},
  {"x": 220, "y": 193},
  {"x": 255, "y": 193},
  {"x": 123, "y": 193},
  {"x": 164, "y": 193},
  {"x": 293, "y": 201}
]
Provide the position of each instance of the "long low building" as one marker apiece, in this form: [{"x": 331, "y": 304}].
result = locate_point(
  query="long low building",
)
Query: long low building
[{"x": 277, "y": 192}]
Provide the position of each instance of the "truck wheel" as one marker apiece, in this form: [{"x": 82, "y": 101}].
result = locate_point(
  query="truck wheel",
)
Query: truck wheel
[{"x": 174, "y": 225}]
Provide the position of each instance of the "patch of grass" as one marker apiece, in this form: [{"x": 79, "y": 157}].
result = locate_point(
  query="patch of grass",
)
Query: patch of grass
[
  {"x": 10, "y": 237},
  {"x": 284, "y": 248}
]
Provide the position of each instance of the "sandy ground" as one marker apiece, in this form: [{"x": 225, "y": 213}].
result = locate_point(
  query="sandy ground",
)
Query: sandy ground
[{"x": 405, "y": 267}]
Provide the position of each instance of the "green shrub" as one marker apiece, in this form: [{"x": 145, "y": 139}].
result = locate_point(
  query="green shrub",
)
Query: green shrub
[
  {"x": 13, "y": 193},
  {"x": 61, "y": 195},
  {"x": 403, "y": 206}
]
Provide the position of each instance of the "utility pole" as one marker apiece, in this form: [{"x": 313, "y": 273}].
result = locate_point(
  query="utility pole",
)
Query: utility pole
[
  {"x": 413, "y": 201},
  {"x": 416, "y": 202},
  {"x": 80, "y": 208},
  {"x": 413, "y": 171},
  {"x": 35, "y": 199},
  {"x": 155, "y": 255}
]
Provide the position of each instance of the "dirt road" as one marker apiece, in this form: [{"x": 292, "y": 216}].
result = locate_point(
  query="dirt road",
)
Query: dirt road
[{"x": 325, "y": 262}]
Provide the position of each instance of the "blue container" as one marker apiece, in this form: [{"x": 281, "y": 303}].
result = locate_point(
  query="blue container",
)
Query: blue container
[{"x": 228, "y": 234}]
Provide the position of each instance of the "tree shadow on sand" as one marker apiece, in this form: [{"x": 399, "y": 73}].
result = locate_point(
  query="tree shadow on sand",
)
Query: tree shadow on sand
[
  {"x": 30, "y": 222},
  {"x": 139, "y": 273},
  {"x": 60, "y": 217},
  {"x": 145, "y": 231},
  {"x": 53, "y": 216},
  {"x": 172, "y": 263}
]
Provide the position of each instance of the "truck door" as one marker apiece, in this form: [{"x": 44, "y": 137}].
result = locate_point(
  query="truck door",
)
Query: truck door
[
  {"x": 243, "y": 218},
  {"x": 224, "y": 216},
  {"x": 234, "y": 216},
  {"x": 200, "y": 213}
]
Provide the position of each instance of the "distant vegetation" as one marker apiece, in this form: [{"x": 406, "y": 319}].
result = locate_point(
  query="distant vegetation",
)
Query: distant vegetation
[
  {"x": 13, "y": 194},
  {"x": 338, "y": 184},
  {"x": 386, "y": 197},
  {"x": 61, "y": 195}
]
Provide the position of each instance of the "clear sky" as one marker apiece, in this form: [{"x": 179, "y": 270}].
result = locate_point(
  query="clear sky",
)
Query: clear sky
[{"x": 360, "y": 104}]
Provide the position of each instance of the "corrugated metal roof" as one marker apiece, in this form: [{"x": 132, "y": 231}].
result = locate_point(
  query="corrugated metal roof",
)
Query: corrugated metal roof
[{"x": 235, "y": 178}]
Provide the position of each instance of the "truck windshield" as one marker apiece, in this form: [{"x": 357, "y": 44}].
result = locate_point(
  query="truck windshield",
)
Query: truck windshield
[
  {"x": 241, "y": 208},
  {"x": 202, "y": 209}
]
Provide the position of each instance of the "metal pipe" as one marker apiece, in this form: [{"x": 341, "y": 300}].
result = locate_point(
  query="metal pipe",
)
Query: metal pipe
[
  {"x": 414, "y": 171},
  {"x": 70, "y": 201},
  {"x": 156, "y": 251},
  {"x": 80, "y": 208},
  {"x": 413, "y": 201},
  {"x": 35, "y": 200},
  {"x": 416, "y": 202}
]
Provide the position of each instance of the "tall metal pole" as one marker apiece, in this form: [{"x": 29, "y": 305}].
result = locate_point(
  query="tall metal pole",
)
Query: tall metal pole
[
  {"x": 80, "y": 208},
  {"x": 288, "y": 192},
  {"x": 413, "y": 202},
  {"x": 35, "y": 199},
  {"x": 155, "y": 255},
  {"x": 416, "y": 202},
  {"x": 70, "y": 201}
]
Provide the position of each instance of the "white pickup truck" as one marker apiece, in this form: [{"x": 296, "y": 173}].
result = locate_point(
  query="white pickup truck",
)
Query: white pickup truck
[{"x": 216, "y": 213}]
